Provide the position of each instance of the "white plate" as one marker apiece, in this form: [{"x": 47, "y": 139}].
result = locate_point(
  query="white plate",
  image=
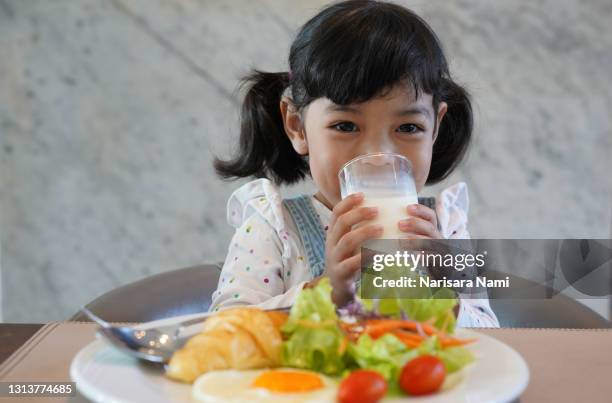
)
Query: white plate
[{"x": 103, "y": 374}]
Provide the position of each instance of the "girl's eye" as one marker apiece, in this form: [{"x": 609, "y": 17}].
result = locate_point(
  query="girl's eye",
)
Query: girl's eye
[
  {"x": 408, "y": 128},
  {"x": 345, "y": 127}
]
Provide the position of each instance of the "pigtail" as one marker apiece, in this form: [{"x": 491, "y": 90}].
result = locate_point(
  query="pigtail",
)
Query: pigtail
[
  {"x": 455, "y": 132},
  {"x": 265, "y": 151}
]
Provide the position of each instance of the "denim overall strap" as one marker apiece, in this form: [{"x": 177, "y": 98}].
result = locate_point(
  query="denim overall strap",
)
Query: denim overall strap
[
  {"x": 431, "y": 203},
  {"x": 428, "y": 201},
  {"x": 310, "y": 230}
]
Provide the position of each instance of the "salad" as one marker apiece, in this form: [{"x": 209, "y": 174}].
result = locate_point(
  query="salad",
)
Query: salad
[
  {"x": 318, "y": 353},
  {"x": 389, "y": 347}
]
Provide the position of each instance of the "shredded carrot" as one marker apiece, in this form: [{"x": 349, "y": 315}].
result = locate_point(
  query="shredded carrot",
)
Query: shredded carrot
[
  {"x": 404, "y": 329},
  {"x": 378, "y": 327},
  {"x": 410, "y": 343},
  {"x": 409, "y": 335},
  {"x": 451, "y": 342},
  {"x": 445, "y": 323},
  {"x": 352, "y": 330},
  {"x": 343, "y": 345},
  {"x": 407, "y": 339},
  {"x": 350, "y": 327}
]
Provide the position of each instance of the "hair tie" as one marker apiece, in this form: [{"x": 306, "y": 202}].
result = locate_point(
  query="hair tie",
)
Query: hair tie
[{"x": 289, "y": 75}]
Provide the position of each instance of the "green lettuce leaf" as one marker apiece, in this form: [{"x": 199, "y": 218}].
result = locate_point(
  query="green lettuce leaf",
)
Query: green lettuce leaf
[
  {"x": 386, "y": 355},
  {"x": 454, "y": 358},
  {"x": 420, "y": 304},
  {"x": 438, "y": 307},
  {"x": 314, "y": 340},
  {"x": 314, "y": 304}
]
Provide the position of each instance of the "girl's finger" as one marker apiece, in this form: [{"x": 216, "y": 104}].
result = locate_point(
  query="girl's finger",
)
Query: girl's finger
[
  {"x": 416, "y": 236},
  {"x": 348, "y": 267},
  {"x": 418, "y": 226},
  {"x": 352, "y": 240},
  {"x": 418, "y": 210},
  {"x": 345, "y": 205},
  {"x": 345, "y": 222}
]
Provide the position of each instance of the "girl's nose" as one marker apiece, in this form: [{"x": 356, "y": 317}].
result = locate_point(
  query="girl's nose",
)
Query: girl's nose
[
  {"x": 380, "y": 145},
  {"x": 381, "y": 161}
]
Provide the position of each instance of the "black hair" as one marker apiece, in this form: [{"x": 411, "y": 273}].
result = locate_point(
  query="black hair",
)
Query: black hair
[{"x": 350, "y": 52}]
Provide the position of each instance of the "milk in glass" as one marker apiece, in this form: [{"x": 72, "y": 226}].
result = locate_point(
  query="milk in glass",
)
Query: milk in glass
[
  {"x": 391, "y": 209},
  {"x": 387, "y": 183}
]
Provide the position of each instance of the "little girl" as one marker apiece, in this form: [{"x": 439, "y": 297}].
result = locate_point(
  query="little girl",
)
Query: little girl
[{"x": 365, "y": 76}]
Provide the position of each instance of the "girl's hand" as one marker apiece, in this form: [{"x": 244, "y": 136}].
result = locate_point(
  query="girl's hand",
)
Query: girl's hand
[
  {"x": 422, "y": 223},
  {"x": 342, "y": 246}
]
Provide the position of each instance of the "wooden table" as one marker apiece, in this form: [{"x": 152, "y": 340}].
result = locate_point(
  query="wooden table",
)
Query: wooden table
[
  {"x": 13, "y": 335},
  {"x": 566, "y": 365}
]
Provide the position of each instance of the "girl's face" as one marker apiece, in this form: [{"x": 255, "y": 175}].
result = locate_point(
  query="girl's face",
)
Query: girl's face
[{"x": 332, "y": 135}]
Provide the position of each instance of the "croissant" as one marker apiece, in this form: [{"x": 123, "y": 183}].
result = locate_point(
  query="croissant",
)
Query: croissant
[{"x": 237, "y": 338}]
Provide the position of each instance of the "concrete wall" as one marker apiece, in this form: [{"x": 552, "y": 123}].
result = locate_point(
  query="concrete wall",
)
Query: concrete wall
[{"x": 111, "y": 111}]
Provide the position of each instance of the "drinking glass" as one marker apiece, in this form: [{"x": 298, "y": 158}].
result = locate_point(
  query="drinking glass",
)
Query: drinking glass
[{"x": 387, "y": 182}]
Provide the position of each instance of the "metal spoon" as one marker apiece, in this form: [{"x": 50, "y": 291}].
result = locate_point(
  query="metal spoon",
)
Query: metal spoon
[{"x": 155, "y": 345}]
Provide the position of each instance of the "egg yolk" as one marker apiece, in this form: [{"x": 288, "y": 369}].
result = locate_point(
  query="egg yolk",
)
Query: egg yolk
[{"x": 288, "y": 381}]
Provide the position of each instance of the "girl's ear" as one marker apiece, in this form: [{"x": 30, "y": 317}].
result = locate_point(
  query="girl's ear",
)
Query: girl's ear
[
  {"x": 442, "y": 108},
  {"x": 294, "y": 127}
]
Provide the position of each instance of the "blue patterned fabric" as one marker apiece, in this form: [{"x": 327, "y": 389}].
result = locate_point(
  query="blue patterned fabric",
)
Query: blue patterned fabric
[{"x": 311, "y": 231}]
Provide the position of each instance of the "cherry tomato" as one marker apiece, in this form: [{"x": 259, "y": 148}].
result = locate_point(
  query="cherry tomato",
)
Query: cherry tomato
[
  {"x": 362, "y": 386},
  {"x": 422, "y": 375}
]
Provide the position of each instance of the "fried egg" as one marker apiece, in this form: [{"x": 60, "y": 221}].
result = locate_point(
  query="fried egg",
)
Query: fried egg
[{"x": 264, "y": 385}]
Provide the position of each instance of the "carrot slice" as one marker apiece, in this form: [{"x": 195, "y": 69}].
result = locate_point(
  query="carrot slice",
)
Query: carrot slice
[
  {"x": 343, "y": 345},
  {"x": 409, "y": 335},
  {"x": 407, "y": 339},
  {"x": 377, "y": 327},
  {"x": 451, "y": 342}
]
